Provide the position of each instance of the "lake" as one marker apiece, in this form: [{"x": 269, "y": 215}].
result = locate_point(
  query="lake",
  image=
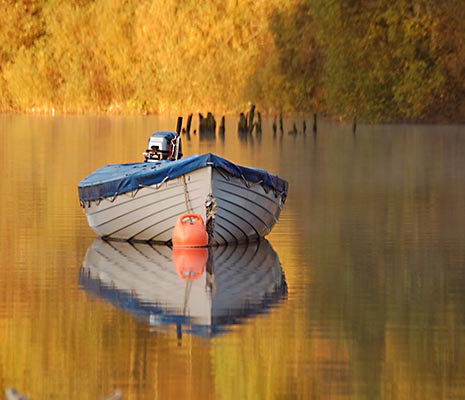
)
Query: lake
[{"x": 366, "y": 265}]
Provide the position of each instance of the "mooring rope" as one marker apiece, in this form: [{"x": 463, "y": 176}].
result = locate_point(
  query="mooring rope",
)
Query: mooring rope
[{"x": 186, "y": 197}]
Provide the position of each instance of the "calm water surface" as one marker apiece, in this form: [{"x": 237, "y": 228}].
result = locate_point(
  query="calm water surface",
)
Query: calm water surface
[{"x": 371, "y": 243}]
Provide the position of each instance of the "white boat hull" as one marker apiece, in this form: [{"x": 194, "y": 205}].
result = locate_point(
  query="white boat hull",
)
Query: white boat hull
[{"x": 244, "y": 212}]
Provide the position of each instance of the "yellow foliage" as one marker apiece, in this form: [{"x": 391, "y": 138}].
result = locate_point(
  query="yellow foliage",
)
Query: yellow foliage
[{"x": 384, "y": 60}]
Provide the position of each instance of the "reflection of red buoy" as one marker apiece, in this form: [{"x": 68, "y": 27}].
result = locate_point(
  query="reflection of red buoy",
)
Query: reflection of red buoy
[
  {"x": 190, "y": 262},
  {"x": 189, "y": 231}
]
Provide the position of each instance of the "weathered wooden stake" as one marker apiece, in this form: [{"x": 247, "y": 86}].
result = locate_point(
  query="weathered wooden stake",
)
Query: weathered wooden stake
[
  {"x": 315, "y": 128},
  {"x": 251, "y": 117},
  {"x": 207, "y": 126},
  {"x": 179, "y": 126},
  {"x": 294, "y": 130},
  {"x": 211, "y": 123},
  {"x": 281, "y": 128},
  {"x": 258, "y": 124},
  {"x": 242, "y": 124},
  {"x": 188, "y": 125},
  {"x": 354, "y": 124},
  {"x": 221, "y": 128}
]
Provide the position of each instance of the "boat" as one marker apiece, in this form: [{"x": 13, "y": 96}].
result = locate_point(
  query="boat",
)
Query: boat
[
  {"x": 142, "y": 201},
  {"x": 200, "y": 291}
]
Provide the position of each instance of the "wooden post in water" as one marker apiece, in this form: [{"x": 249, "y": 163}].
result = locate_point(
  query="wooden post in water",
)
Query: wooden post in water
[
  {"x": 211, "y": 123},
  {"x": 188, "y": 125},
  {"x": 242, "y": 125},
  {"x": 275, "y": 126},
  {"x": 258, "y": 124},
  {"x": 281, "y": 128},
  {"x": 314, "y": 123},
  {"x": 354, "y": 124},
  {"x": 251, "y": 117},
  {"x": 179, "y": 126},
  {"x": 294, "y": 130},
  {"x": 207, "y": 126},
  {"x": 221, "y": 128}
]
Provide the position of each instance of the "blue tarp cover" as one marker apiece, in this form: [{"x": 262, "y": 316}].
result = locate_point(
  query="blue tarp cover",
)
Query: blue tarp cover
[{"x": 114, "y": 179}]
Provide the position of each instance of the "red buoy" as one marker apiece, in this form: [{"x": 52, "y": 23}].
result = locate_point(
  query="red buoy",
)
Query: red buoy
[
  {"x": 190, "y": 231},
  {"x": 189, "y": 263}
]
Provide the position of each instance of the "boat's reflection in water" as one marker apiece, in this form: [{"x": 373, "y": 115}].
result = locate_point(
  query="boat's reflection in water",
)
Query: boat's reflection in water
[{"x": 198, "y": 291}]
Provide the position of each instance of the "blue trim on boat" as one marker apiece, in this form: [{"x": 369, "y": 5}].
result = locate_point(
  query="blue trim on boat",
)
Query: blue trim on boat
[{"x": 114, "y": 179}]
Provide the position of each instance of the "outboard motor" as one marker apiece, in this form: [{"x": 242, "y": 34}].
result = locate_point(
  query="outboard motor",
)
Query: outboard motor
[{"x": 163, "y": 145}]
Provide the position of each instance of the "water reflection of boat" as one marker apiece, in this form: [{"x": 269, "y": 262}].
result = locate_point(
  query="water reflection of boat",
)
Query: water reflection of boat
[{"x": 200, "y": 291}]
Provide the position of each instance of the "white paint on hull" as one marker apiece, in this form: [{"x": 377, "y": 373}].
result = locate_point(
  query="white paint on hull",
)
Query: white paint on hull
[{"x": 245, "y": 212}]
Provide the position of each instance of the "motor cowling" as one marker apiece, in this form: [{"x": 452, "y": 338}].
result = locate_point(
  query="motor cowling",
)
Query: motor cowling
[{"x": 163, "y": 145}]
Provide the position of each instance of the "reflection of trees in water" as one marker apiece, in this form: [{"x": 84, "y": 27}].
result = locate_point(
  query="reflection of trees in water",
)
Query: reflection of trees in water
[
  {"x": 387, "y": 263},
  {"x": 398, "y": 315}
]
